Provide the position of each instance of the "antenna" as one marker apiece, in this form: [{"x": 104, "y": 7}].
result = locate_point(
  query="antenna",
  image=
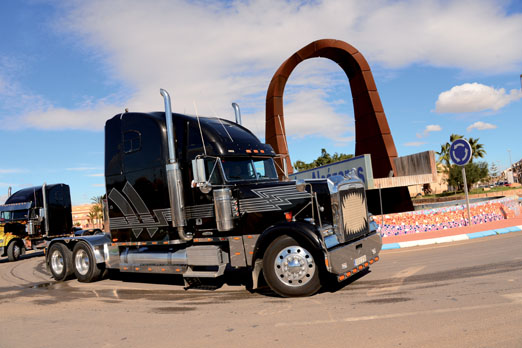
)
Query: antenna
[
  {"x": 222, "y": 125},
  {"x": 225, "y": 129},
  {"x": 285, "y": 165},
  {"x": 200, "y": 131}
]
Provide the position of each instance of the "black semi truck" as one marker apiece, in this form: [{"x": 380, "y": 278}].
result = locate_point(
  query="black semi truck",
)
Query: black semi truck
[
  {"x": 32, "y": 216},
  {"x": 197, "y": 196}
]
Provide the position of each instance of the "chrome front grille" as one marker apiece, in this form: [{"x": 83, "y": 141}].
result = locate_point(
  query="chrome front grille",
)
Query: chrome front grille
[
  {"x": 350, "y": 212},
  {"x": 354, "y": 211}
]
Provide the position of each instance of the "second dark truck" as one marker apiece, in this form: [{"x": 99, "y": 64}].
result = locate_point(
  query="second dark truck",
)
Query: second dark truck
[{"x": 33, "y": 216}]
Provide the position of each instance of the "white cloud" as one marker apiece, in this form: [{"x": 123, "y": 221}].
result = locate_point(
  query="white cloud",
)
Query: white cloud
[
  {"x": 308, "y": 114},
  {"x": 96, "y": 175},
  {"x": 82, "y": 169},
  {"x": 415, "y": 143},
  {"x": 429, "y": 128},
  {"x": 473, "y": 97},
  {"x": 217, "y": 52},
  {"x": 481, "y": 126},
  {"x": 11, "y": 171},
  {"x": 60, "y": 118}
]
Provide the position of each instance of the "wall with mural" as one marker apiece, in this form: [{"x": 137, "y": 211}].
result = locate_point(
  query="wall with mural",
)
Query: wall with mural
[{"x": 447, "y": 217}]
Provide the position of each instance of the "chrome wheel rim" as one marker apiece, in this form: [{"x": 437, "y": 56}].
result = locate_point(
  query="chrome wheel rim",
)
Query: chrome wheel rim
[
  {"x": 17, "y": 251},
  {"x": 81, "y": 261},
  {"x": 294, "y": 266},
  {"x": 57, "y": 262}
]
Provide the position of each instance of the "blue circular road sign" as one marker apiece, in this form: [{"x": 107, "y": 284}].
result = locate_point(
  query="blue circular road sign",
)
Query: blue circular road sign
[{"x": 460, "y": 152}]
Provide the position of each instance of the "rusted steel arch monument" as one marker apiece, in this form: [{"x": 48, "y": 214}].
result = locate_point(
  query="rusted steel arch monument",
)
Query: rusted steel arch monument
[{"x": 372, "y": 133}]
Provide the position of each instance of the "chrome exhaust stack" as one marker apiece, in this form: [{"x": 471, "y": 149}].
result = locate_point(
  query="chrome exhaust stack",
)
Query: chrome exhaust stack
[
  {"x": 9, "y": 192},
  {"x": 45, "y": 208},
  {"x": 238, "y": 113},
  {"x": 174, "y": 179}
]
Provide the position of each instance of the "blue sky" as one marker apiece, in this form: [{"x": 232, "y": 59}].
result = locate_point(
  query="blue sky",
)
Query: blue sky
[{"x": 441, "y": 67}]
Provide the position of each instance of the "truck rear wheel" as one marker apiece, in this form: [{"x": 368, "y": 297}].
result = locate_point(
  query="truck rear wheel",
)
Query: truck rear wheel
[
  {"x": 15, "y": 249},
  {"x": 60, "y": 261},
  {"x": 84, "y": 263},
  {"x": 290, "y": 269}
]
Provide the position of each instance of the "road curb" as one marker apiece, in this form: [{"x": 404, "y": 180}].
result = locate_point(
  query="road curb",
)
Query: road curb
[{"x": 454, "y": 238}]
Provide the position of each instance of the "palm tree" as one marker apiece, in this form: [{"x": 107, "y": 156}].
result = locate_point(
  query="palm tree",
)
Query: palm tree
[
  {"x": 476, "y": 148},
  {"x": 97, "y": 209},
  {"x": 444, "y": 153},
  {"x": 92, "y": 216}
]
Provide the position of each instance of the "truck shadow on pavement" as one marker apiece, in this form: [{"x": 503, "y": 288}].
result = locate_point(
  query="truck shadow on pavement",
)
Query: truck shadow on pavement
[
  {"x": 232, "y": 278},
  {"x": 24, "y": 257}
]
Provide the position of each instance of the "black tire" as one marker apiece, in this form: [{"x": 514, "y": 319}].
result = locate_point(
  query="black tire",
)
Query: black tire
[
  {"x": 15, "y": 249},
  {"x": 84, "y": 263},
  {"x": 290, "y": 268},
  {"x": 60, "y": 262}
]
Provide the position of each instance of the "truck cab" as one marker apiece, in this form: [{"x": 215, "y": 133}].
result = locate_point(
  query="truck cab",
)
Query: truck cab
[
  {"x": 196, "y": 196},
  {"x": 33, "y": 215}
]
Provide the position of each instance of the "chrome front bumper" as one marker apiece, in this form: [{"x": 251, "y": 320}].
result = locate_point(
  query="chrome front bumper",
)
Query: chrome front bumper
[{"x": 348, "y": 259}]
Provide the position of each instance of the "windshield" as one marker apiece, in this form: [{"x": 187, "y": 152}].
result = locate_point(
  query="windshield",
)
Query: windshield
[
  {"x": 249, "y": 169},
  {"x": 13, "y": 215}
]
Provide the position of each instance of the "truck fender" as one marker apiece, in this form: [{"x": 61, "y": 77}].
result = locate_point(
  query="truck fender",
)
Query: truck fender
[
  {"x": 98, "y": 243},
  {"x": 300, "y": 231}
]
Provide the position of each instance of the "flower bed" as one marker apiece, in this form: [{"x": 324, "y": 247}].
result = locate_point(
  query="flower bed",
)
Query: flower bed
[{"x": 447, "y": 217}]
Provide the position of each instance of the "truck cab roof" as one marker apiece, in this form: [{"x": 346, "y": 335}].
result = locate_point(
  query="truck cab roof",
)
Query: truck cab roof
[
  {"x": 222, "y": 137},
  {"x": 137, "y": 140}
]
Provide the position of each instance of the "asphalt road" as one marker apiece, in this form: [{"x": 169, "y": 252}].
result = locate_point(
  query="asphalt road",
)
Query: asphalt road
[{"x": 463, "y": 294}]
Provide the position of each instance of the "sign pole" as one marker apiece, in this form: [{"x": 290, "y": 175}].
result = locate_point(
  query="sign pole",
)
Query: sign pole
[
  {"x": 380, "y": 202},
  {"x": 467, "y": 195},
  {"x": 460, "y": 153}
]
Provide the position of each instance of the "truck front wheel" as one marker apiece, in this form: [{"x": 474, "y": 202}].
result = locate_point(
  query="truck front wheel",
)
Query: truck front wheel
[
  {"x": 15, "y": 249},
  {"x": 84, "y": 262},
  {"x": 290, "y": 269},
  {"x": 60, "y": 261}
]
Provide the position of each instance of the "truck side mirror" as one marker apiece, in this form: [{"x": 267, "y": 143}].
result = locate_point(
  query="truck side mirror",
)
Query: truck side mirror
[
  {"x": 41, "y": 214},
  {"x": 200, "y": 176},
  {"x": 300, "y": 185},
  {"x": 198, "y": 169}
]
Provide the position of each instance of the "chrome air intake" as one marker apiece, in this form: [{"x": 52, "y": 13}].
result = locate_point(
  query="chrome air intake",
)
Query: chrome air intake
[
  {"x": 223, "y": 209},
  {"x": 174, "y": 179}
]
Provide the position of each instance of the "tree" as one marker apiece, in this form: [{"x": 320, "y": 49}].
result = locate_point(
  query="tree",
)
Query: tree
[
  {"x": 322, "y": 160},
  {"x": 493, "y": 171},
  {"x": 92, "y": 216},
  {"x": 475, "y": 172},
  {"x": 444, "y": 153},
  {"x": 476, "y": 149},
  {"x": 97, "y": 209}
]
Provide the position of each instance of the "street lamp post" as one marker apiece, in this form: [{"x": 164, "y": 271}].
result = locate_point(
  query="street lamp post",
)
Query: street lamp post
[{"x": 510, "y": 164}]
